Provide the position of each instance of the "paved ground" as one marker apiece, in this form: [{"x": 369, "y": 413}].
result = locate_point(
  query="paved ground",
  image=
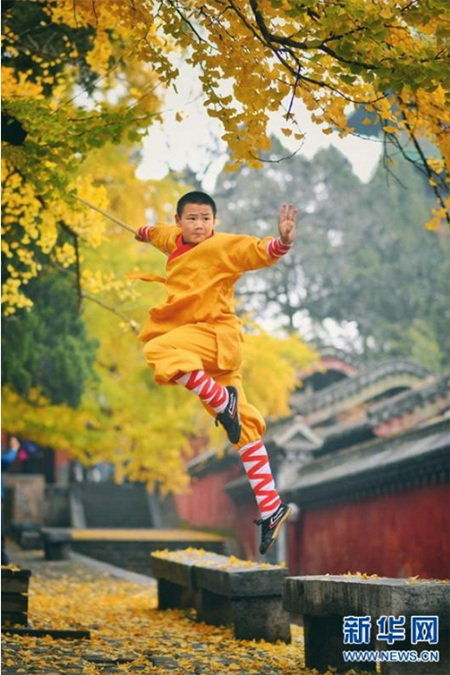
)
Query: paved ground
[{"x": 128, "y": 633}]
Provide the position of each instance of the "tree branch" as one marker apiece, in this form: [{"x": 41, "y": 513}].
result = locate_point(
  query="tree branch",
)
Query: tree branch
[
  {"x": 83, "y": 295},
  {"x": 276, "y": 161},
  {"x": 186, "y": 21},
  {"x": 132, "y": 324},
  {"x": 295, "y": 72},
  {"x": 77, "y": 271},
  {"x": 428, "y": 171},
  {"x": 286, "y": 41}
]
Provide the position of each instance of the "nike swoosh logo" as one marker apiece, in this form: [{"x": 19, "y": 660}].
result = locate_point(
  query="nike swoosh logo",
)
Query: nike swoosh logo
[
  {"x": 232, "y": 409},
  {"x": 275, "y": 518}
]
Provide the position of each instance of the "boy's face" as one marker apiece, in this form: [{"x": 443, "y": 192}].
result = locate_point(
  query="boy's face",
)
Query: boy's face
[{"x": 196, "y": 222}]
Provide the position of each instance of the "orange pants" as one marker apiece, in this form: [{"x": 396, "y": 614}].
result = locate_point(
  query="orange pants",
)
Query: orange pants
[{"x": 194, "y": 347}]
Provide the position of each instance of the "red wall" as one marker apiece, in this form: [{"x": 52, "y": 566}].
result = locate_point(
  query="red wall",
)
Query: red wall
[
  {"x": 399, "y": 535},
  {"x": 247, "y": 534},
  {"x": 207, "y": 505}
]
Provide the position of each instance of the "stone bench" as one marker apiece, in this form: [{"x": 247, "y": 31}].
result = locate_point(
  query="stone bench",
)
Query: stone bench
[
  {"x": 224, "y": 590},
  {"x": 128, "y": 548},
  {"x": 14, "y": 594},
  {"x": 27, "y": 535},
  {"x": 57, "y": 543},
  {"x": 324, "y": 601}
]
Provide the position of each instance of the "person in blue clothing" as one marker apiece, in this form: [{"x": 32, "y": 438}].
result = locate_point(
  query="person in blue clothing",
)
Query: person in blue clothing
[{"x": 8, "y": 458}]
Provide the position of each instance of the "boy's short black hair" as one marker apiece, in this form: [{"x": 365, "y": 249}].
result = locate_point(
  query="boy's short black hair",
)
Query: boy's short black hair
[{"x": 196, "y": 198}]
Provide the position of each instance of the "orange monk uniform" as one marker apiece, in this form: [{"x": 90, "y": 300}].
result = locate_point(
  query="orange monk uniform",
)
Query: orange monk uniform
[{"x": 196, "y": 328}]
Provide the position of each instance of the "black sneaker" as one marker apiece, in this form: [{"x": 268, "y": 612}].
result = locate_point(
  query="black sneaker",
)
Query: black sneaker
[
  {"x": 229, "y": 418},
  {"x": 271, "y": 527}
]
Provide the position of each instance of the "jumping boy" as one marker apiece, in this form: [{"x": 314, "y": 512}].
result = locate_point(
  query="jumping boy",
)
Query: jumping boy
[{"x": 194, "y": 338}]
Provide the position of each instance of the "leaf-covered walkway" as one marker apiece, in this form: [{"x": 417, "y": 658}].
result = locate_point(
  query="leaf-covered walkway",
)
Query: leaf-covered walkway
[{"x": 128, "y": 633}]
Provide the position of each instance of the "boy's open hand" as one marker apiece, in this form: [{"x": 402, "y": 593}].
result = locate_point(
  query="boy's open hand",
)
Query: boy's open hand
[{"x": 286, "y": 223}]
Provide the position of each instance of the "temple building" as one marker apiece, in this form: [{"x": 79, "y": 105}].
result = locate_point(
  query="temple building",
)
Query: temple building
[{"x": 364, "y": 458}]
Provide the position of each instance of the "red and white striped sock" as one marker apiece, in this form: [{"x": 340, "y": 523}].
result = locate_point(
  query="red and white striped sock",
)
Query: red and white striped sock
[
  {"x": 276, "y": 248},
  {"x": 256, "y": 464},
  {"x": 206, "y": 388}
]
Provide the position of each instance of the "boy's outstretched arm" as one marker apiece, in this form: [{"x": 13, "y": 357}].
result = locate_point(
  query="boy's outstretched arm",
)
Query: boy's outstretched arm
[
  {"x": 250, "y": 253},
  {"x": 162, "y": 237},
  {"x": 143, "y": 234}
]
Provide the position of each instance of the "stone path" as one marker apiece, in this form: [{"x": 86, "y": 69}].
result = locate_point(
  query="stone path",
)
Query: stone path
[{"x": 128, "y": 634}]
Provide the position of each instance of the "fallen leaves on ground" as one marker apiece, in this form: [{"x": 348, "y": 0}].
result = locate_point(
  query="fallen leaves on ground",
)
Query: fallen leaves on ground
[{"x": 129, "y": 635}]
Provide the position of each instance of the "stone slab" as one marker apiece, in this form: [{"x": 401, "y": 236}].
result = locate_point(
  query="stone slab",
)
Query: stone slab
[
  {"x": 15, "y": 580},
  {"x": 44, "y": 632},
  {"x": 31, "y": 540},
  {"x": 260, "y": 618},
  {"x": 146, "y": 534},
  {"x": 175, "y": 571},
  {"x": 323, "y": 601},
  {"x": 14, "y": 618},
  {"x": 218, "y": 573},
  {"x": 15, "y": 573},
  {"x": 352, "y": 594},
  {"x": 235, "y": 582},
  {"x": 14, "y": 602},
  {"x": 57, "y": 535}
]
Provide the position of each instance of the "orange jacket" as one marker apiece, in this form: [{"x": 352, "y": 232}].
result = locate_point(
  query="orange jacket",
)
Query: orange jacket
[{"x": 200, "y": 285}]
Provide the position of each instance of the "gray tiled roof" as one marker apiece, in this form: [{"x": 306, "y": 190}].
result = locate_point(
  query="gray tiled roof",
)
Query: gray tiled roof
[
  {"x": 349, "y": 387},
  {"x": 335, "y": 353},
  {"x": 408, "y": 401},
  {"x": 424, "y": 449}
]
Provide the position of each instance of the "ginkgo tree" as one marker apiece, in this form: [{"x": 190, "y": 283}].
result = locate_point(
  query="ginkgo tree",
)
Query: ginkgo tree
[
  {"x": 48, "y": 69},
  {"x": 252, "y": 57}
]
